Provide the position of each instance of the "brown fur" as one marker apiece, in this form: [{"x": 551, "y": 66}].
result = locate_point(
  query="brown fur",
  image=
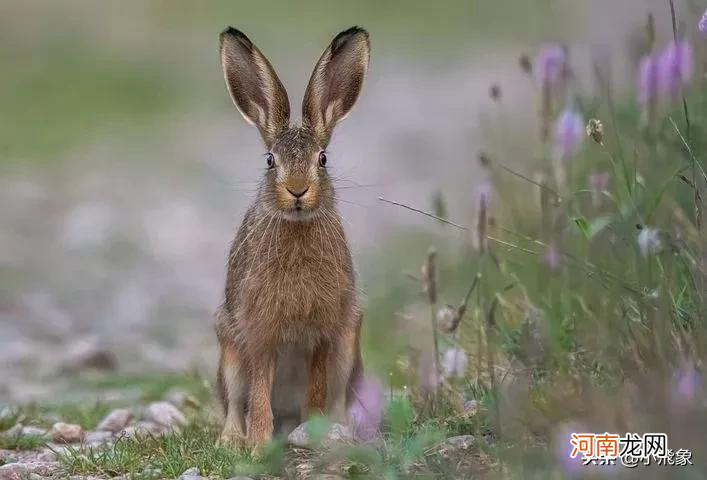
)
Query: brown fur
[{"x": 290, "y": 296}]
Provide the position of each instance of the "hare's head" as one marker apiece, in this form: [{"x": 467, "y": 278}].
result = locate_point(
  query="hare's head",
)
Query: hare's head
[{"x": 296, "y": 180}]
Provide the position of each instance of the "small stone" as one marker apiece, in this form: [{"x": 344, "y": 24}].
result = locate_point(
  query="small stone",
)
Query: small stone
[
  {"x": 116, "y": 420},
  {"x": 456, "y": 445},
  {"x": 181, "y": 399},
  {"x": 34, "y": 431},
  {"x": 21, "y": 430},
  {"x": 6, "y": 412},
  {"x": 15, "y": 431},
  {"x": 88, "y": 354},
  {"x": 164, "y": 413},
  {"x": 22, "y": 471},
  {"x": 190, "y": 472},
  {"x": 299, "y": 437},
  {"x": 471, "y": 407},
  {"x": 461, "y": 441},
  {"x": 143, "y": 429},
  {"x": 150, "y": 472},
  {"x": 60, "y": 448},
  {"x": 46, "y": 456},
  {"x": 97, "y": 437},
  {"x": 66, "y": 433}
]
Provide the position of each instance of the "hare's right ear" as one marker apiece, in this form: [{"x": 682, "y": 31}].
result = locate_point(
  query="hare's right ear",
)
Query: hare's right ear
[
  {"x": 254, "y": 87},
  {"x": 336, "y": 82}
]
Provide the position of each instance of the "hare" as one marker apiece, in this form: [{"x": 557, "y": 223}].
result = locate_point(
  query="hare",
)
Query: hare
[{"x": 290, "y": 298}]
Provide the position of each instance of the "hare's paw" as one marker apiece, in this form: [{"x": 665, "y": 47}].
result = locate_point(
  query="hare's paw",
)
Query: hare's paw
[
  {"x": 258, "y": 440},
  {"x": 232, "y": 438}
]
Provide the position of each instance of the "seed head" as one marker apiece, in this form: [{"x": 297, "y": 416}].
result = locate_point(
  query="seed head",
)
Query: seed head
[
  {"x": 650, "y": 29},
  {"x": 595, "y": 131},
  {"x": 647, "y": 82},
  {"x": 525, "y": 64},
  {"x": 702, "y": 25},
  {"x": 483, "y": 199},
  {"x": 495, "y": 92},
  {"x": 429, "y": 276},
  {"x": 447, "y": 318},
  {"x": 484, "y": 159}
]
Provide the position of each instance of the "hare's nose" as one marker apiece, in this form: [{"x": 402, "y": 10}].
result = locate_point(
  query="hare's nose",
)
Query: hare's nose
[{"x": 298, "y": 194}]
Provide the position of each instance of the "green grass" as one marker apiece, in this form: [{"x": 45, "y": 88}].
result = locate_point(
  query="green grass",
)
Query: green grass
[
  {"x": 411, "y": 436},
  {"x": 88, "y": 416},
  {"x": 193, "y": 446},
  {"x": 68, "y": 93},
  {"x": 21, "y": 442},
  {"x": 152, "y": 387}
]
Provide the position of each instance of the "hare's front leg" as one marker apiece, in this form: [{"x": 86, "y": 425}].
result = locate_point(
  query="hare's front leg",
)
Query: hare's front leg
[
  {"x": 233, "y": 387},
  {"x": 316, "y": 397},
  {"x": 344, "y": 366},
  {"x": 260, "y": 416}
]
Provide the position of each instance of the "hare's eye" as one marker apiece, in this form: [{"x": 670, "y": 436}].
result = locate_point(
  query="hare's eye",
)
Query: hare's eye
[
  {"x": 322, "y": 159},
  {"x": 270, "y": 160}
]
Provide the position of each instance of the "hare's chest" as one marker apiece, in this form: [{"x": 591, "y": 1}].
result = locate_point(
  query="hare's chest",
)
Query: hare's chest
[{"x": 297, "y": 294}]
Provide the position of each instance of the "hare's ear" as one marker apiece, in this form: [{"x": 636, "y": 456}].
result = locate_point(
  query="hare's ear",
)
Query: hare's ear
[
  {"x": 254, "y": 87},
  {"x": 336, "y": 82}
]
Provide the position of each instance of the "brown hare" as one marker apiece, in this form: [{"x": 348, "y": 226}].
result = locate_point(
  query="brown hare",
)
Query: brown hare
[{"x": 290, "y": 310}]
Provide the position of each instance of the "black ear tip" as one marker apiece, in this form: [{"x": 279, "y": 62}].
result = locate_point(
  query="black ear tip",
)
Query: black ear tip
[
  {"x": 235, "y": 34},
  {"x": 350, "y": 33}
]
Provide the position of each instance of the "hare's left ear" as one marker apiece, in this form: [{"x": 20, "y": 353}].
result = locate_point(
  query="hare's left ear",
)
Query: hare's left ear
[
  {"x": 254, "y": 86},
  {"x": 336, "y": 82}
]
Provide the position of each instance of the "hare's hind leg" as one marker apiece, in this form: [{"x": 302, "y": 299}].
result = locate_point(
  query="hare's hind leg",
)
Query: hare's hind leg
[{"x": 233, "y": 388}]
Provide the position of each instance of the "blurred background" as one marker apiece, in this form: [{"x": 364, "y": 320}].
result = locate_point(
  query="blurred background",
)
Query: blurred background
[{"x": 126, "y": 169}]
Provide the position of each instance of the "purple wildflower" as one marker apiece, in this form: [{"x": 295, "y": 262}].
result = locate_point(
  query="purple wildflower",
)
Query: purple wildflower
[
  {"x": 676, "y": 67},
  {"x": 482, "y": 192},
  {"x": 598, "y": 182},
  {"x": 648, "y": 81},
  {"x": 686, "y": 386},
  {"x": 552, "y": 257},
  {"x": 549, "y": 65},
  {"x": 702, "y": 26},
  {"x": 569, "y": 133},
  {"x": 454, "y": 361},
  {"x": 429, "y": 379},
  {"x": 563, "y": 449},
  {"x": 366, "y": 410}
]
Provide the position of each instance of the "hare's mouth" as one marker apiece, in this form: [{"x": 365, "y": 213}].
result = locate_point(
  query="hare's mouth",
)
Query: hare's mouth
[{"x": 299, "y": 214}]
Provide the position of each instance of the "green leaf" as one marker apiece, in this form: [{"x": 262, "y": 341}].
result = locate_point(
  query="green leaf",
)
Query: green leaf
[
  {"x": 400, "y": 416},
  {"x": 599, "y": 224},
  {"x": 317, "y": 428},
  {"x": 583, "y": 226}
]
